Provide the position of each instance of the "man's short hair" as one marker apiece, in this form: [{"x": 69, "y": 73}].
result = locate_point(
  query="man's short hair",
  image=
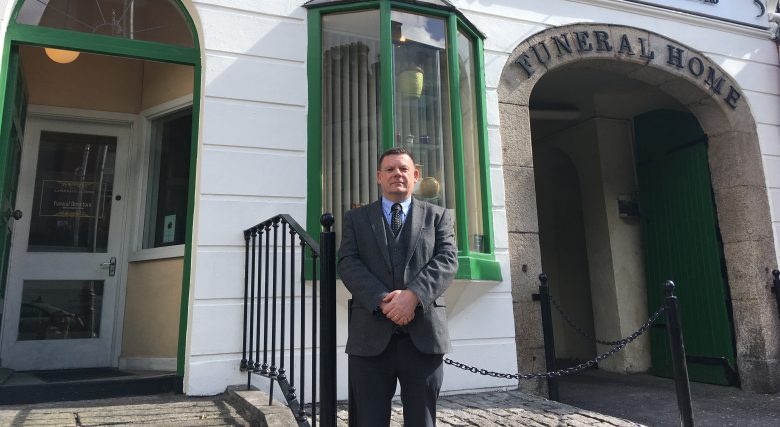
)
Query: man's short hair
[{"x": 395, "y": 151}]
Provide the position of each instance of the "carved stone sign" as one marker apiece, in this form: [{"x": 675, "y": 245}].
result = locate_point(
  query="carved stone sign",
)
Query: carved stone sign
[{"x": 635, "y": 48}]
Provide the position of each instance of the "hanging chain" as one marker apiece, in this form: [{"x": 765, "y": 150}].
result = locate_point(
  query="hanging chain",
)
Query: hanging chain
[
  {"x": 619, "y": 345},
  {"x": 577, "y": 328}
]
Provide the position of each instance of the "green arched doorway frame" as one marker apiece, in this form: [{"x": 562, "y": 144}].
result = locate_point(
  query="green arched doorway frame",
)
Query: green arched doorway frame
[{"x": 21, "y": 34}]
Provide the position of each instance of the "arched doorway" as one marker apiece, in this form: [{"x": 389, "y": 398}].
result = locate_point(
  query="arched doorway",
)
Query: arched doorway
[
  {"x": 99, "y": 135},
  {"x": 628, "y": 61}
]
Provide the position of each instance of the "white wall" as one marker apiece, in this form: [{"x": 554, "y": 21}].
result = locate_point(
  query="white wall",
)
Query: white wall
[
  {"x": 252, "y": 134},
  {"x": 252, "y": 166},
  {"x": 255, "y": 85}
]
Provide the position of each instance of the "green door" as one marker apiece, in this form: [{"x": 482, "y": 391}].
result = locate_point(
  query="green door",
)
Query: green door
[
  {"x": 682, "y": 243},
  {"x": 11, "y": 137}
]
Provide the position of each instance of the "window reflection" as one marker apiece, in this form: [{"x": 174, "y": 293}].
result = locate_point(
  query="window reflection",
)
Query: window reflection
[
  {"x": 149, "y": 20},
  {"x": 168, "y": 184},
  {"x": 468, "y": 106},
  {"x": 422, "y": 103},
  {"x": 59, "y": 309},
  {"x": 74, "y": 183},
  {"x": 351, "y": 134}
]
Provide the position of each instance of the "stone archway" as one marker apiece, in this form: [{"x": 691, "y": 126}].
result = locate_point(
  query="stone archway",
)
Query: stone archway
[{"x": 735, "y": 161}]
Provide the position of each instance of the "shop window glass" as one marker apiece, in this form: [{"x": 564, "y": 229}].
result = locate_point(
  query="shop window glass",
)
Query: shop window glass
[
  {"x": 432, "y": 107},
  {"x": 468, "y": 109},
  {"x": 168, "y": 182},
  {"x": 422, "y": 103},
  {"x": 351, "y": 120}
]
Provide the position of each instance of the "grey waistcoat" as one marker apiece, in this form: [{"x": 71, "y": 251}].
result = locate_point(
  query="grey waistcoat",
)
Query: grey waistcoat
[{"x": 397, "y": 246}]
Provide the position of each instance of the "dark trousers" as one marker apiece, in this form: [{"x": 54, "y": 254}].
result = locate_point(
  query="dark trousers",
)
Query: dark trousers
[{"x": 373, "y": 381}]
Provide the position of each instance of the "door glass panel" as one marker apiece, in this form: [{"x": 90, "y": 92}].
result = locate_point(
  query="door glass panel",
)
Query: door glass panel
[
  {"x": 74, "y": 183},
  {"x": 149, "y": 20},
  {"x": 60, "y": 309}
]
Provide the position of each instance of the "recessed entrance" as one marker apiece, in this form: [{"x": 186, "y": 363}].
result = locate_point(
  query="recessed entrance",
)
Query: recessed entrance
[
  {"x": 94, "y": 278},
  {"x": 571, "y": 118},
  {"x": 98, "y": 185}
]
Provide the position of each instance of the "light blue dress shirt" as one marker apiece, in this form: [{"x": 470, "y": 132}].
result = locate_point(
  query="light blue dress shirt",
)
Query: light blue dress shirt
[{"x": 387, "y": 206}]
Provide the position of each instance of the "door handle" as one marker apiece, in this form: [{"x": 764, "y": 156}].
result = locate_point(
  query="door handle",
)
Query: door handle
[
  {"x": 110, "y": 265},
  {"x": 15, "y": 214}
]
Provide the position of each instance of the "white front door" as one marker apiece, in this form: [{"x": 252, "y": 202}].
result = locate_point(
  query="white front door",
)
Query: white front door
[{"x": 63, "y": 283}]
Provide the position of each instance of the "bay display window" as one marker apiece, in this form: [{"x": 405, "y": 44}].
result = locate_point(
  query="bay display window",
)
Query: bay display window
[{"x": 393, "y": 73}]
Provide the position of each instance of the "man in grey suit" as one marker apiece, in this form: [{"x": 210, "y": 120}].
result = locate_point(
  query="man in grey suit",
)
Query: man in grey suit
[{"x": 397, "y": 257}]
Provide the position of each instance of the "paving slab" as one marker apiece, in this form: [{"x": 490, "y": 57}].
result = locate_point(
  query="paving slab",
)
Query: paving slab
[{"x": 162, "y": 410}]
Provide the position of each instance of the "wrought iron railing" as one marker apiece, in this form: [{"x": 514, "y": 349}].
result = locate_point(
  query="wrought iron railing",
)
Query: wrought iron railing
[{"x": 274, "y": 312}]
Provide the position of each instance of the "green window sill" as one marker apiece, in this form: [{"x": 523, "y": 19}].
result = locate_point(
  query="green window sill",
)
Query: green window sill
[
  {"x": 478, "y": 267},
  {"x": 470, "y": 267}
]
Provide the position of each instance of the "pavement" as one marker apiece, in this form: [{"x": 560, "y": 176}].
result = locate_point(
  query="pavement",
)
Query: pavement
[
  {"x": 592, "y": 398},
  {"x": 652, "y": 401},
  {"x": 501, "y": 408}
]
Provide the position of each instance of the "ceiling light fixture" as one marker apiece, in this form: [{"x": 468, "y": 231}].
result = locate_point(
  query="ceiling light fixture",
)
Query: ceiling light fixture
[{"x": 62, "y": 56}]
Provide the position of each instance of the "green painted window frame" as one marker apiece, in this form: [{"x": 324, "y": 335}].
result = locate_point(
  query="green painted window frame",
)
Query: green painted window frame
[
  {"x": 22, "y": 34},
  {"x": 473, "y": 265}
]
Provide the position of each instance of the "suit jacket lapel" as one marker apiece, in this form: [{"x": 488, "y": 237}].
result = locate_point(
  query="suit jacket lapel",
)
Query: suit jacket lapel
[
  {"x": 377, "y": 221},
  {"x": 416, "y": 222}
]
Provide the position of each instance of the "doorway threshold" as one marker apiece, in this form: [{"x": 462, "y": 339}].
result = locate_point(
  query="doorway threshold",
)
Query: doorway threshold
[{"x": 82, "y": 384}]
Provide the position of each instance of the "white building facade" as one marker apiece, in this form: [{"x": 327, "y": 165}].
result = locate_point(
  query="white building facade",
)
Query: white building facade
[{"x": 568, "y": 119}]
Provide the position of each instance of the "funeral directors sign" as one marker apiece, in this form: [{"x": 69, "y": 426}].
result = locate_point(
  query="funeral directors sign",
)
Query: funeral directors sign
[
  {"x": 580, "y": 42},
  {"x": 67, "y": 199},
  {"x": 746, "y": 12}
]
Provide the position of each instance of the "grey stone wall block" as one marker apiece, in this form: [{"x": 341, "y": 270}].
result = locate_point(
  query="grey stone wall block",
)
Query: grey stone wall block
[
  {"x": 760, "y": 376},
  {"x": 651, "y": 76},
  {"x": 515, "y": 135},
  {"x": 528, "y": 321},
  {"x": 615, "y": 67},
  {"x": 524, "y": 251},
  {"x": 756, "y": 330},
  {"x": 684, "y": 91},
  {"x": 749, "y": 266},
  {"x": 633, "y": 35},
  {"x": 532, "y": 361},
  {"x": 758, "y": 342},
  {"x": 515, "y": 84},
  {"x": 711, "y": 116},
  {"x": 743, "y": 214},
  {"x": 735, "y": 160},
  {"x": 520, "y": 191}
]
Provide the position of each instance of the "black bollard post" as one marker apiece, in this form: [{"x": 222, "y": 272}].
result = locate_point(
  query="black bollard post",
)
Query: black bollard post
[
  {"x": 549, "y": 341},
  {"x": 776, "y": 281},
  {"x": 677, "y": 348},
  {"x": 328, "y": 323}
]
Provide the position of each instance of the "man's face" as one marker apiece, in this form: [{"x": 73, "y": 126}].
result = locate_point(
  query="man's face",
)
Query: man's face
[{"x": 397, "y": 176}]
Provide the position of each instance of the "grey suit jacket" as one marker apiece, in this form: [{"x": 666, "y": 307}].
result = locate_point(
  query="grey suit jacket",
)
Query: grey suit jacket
[{"x": 364, "y": 266}]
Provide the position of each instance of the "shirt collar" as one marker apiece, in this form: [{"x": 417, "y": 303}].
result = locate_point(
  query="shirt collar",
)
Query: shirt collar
[{"x": 387, "y": 205}]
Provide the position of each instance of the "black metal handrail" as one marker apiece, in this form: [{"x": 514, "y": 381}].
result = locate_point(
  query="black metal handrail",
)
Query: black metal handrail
[{"x": 266, "y": 302}]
